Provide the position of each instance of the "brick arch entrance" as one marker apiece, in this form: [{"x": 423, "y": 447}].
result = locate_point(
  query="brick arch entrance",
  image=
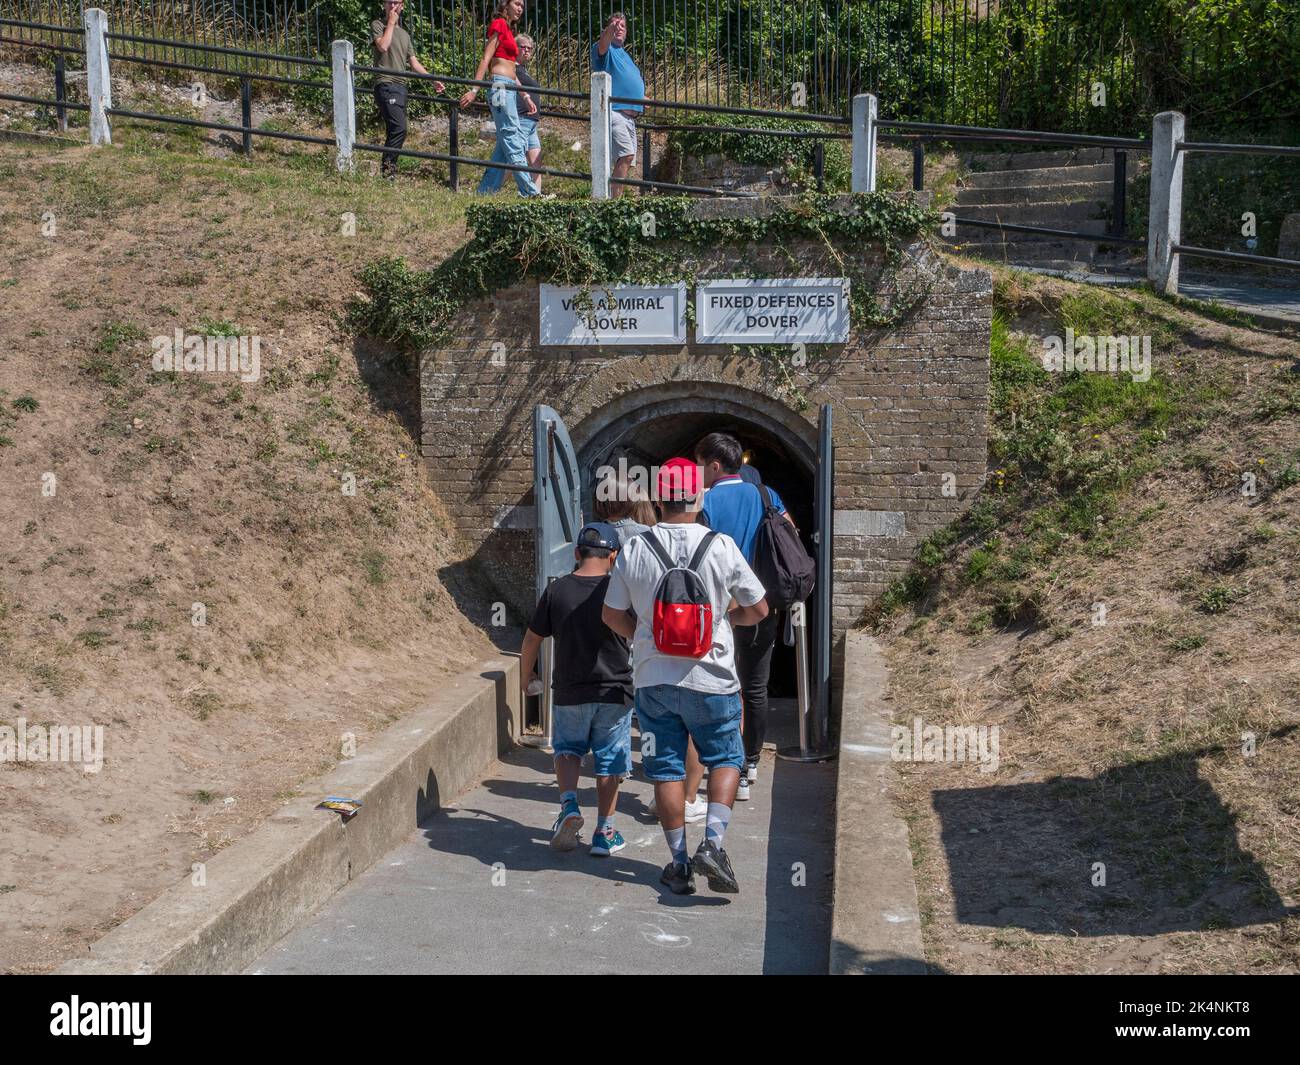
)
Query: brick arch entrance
[
  {"x": 655, "y": 423},
  {"x": 909, "y": 398}
]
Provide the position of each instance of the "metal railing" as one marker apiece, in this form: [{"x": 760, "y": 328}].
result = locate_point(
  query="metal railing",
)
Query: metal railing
[
  {"x": 1032, "y": 63},
  {"x": 917, "y": 133},
  {"x": 862, "y": 128}
]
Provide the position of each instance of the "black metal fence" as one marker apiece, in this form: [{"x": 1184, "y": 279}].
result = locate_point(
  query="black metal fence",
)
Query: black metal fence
[{"x": 1084, "y": 66}]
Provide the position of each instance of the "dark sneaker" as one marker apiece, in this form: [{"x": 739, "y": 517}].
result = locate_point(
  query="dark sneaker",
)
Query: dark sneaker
[
  {"x": 679, "y": 877},
  {"x": 712, "y": 861}
]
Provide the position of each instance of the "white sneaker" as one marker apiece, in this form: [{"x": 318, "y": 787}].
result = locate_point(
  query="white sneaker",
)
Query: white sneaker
[
  {"x": 742, "y": 790},
  {"x": 753, "y": 772},
  {"x": 696, "y": 810}
]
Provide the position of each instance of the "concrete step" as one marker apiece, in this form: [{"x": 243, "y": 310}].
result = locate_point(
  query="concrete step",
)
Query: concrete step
[
  {"x": 1091, "y": 191},
  {"x": 1062, "y": 215},
  {"x": 1029, "y": 250},
  {"x": 993, "y": 238},
  {"x": 1032, "y": 160},
  {"x": 1052, "y": 175},
  {"x": 1040, "y": 256}
]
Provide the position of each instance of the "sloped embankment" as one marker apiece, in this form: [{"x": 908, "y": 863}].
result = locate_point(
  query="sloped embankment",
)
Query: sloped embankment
[
  {"x": 1121, "y": 604},
  {"x": 183, "y": 565}
]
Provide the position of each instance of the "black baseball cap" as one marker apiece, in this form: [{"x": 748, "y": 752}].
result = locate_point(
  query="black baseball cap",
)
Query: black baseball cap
[{"x": 599, "y": 534}]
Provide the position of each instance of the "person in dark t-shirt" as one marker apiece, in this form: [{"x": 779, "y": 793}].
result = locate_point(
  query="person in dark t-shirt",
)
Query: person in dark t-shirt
[
  {"x": 591, "y": 688},
  {"x": 529, "y": 103},
  {"x": 393, "y": 52}
]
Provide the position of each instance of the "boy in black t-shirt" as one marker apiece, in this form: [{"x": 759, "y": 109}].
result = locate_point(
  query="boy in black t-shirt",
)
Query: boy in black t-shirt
[{"x": 592, "y": 688}]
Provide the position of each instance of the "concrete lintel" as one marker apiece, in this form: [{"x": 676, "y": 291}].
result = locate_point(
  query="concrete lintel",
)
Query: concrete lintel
[
  {"x": 518, "y": 517},
  {"x": 870, "y": 523}
]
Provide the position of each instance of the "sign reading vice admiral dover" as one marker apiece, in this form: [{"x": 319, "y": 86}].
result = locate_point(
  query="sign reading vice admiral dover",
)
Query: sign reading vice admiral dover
[{"x": 618, "y": 314}]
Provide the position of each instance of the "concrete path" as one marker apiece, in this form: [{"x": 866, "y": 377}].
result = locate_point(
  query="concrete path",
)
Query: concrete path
[
  {"x": 431, "y": 905},
  {"x": 1271, "y": 300}
]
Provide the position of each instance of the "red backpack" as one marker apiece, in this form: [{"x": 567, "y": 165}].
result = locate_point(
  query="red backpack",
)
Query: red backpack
[{"x": 683, "y": 615}]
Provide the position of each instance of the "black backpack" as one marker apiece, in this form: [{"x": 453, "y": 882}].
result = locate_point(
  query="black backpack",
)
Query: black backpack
[{"x": 780, "y": 561}]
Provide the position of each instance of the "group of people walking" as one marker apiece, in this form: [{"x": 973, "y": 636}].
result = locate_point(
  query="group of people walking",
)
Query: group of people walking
[
  {"x": 665, "y": 616},
  {"x": 516, "y": 113}
]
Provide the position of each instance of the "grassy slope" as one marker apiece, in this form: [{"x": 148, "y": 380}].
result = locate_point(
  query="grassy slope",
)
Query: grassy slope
[
  {"x": 1121, "y": 742},
  {"x": 326, "y": 614}
]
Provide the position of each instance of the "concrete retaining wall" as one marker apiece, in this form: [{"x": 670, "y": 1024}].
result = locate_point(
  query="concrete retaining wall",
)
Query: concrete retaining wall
[
  {"x": 263, "y": 886},
  {"x": 875, "y": 921}
]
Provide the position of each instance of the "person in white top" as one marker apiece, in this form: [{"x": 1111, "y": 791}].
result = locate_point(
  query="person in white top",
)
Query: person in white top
[{"x": 680, "y": 698}]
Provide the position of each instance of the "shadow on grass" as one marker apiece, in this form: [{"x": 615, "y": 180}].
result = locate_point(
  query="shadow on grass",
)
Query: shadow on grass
[{"x": 1025, "y": 855}]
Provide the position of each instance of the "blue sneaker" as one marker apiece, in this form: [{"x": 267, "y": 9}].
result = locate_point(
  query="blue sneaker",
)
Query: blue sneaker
[
  {"x": 565, "y": 830},
  {"x": 609, "y": 842}
]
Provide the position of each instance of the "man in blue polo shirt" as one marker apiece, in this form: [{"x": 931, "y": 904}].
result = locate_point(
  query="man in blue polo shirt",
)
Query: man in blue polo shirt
[
  {"x": 733, "y": 505},
  {"x": 609, "y": 54}
]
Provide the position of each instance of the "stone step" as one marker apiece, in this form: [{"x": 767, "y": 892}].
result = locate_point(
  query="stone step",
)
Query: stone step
[
  {"x": 1091, "y": 191},
  {"x": 1052, "y": 175},
  {"x": 1033, "y": 160}
]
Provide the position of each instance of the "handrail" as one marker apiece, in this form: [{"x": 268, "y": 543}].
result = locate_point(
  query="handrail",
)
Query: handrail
[
  {"x": 1236, "y": 149},
  {"x": 220, "y": 49},
  {"x": 1031, "y": 136}
]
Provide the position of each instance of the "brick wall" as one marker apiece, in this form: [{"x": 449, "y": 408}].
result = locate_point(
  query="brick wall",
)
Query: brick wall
[{"x": 910, "y": 405}]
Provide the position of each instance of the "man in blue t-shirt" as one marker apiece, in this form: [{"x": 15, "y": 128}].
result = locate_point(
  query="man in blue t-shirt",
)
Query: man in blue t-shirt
[
  {"x": 733, "y": 505},
  {"x": 609, "y": 54}
]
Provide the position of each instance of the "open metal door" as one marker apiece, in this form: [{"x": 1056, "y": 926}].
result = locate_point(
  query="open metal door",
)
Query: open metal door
[
  {"x": 814, "y": 679},
  {"x": 824, "y": 509},
  {"x": 558, "y": 507}
]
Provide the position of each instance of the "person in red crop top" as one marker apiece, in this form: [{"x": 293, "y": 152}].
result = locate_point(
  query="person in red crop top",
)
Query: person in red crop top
[{"x": 500, "y": 55}]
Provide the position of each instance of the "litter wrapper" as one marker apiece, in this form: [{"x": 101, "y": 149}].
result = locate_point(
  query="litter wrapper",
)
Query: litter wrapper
[{"x": 347, "y": 807}]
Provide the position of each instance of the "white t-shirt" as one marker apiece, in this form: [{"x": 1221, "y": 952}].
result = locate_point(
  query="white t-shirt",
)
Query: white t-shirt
[{"x": 726, "y": 575}]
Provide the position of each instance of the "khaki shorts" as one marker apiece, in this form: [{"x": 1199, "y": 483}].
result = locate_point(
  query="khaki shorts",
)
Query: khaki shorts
[{"x": 622, "y": 135}]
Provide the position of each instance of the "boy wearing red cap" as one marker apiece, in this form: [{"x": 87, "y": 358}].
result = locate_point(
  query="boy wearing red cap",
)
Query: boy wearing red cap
[{"x": 679, "y": 697}]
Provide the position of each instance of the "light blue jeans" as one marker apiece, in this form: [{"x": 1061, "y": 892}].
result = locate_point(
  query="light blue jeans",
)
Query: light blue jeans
[{"x": 512, "y": 141}]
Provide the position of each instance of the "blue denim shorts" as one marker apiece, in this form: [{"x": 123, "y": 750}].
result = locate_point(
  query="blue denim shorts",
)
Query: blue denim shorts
[
  {"x": 668, "y": 714},
  {"x": 605, "y": 729},
  {"x": 529, "y": 126}
]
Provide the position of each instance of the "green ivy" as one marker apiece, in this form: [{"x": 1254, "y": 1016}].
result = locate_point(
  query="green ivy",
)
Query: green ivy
[
  {"x": 793, "y": 154},
  {"x": 593, "y": 242}
]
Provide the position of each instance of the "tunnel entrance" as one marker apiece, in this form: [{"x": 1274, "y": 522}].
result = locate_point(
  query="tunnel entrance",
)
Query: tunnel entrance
[{"x": 649, "y": 434}]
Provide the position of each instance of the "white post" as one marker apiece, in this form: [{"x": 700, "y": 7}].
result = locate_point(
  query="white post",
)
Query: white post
[
  {"x": 864, "y": 142},
  {"x": 345, "y": 106},
  {"x": 601, "y": 89},
  {"x": 98, "y": 86},
  {"x": 1165, "y": 228}
]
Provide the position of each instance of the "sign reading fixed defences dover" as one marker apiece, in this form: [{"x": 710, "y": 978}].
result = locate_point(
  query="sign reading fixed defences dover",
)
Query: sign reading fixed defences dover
[
  {"x": 619, "y": 314},
  {"x": 813, "y": 310}
]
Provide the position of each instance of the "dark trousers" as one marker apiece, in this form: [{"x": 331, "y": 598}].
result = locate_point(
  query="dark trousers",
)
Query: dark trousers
[
  {"x": 754, "y": 644},
  {"x": 391, "y": 99}
]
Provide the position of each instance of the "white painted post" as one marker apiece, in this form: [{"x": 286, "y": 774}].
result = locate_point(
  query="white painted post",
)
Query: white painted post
[
  {"x": 864, "y": 142},
  {"x": 601, "y": 90},
  {"x": 1165, "y": 228},
  {"x": 345, "y": 106},
  {"x": 98, "y": 86}
]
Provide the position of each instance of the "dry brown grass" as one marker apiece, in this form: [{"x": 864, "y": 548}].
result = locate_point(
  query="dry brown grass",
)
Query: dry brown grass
[
  {"x": 325, "y": 613},
  {"x": 1122, "y": 743}
]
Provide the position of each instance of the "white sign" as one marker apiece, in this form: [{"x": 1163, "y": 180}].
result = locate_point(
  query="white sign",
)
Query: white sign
[
  {"x": 787, "y": 310},
  {"x": 618, "y": 314}
]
